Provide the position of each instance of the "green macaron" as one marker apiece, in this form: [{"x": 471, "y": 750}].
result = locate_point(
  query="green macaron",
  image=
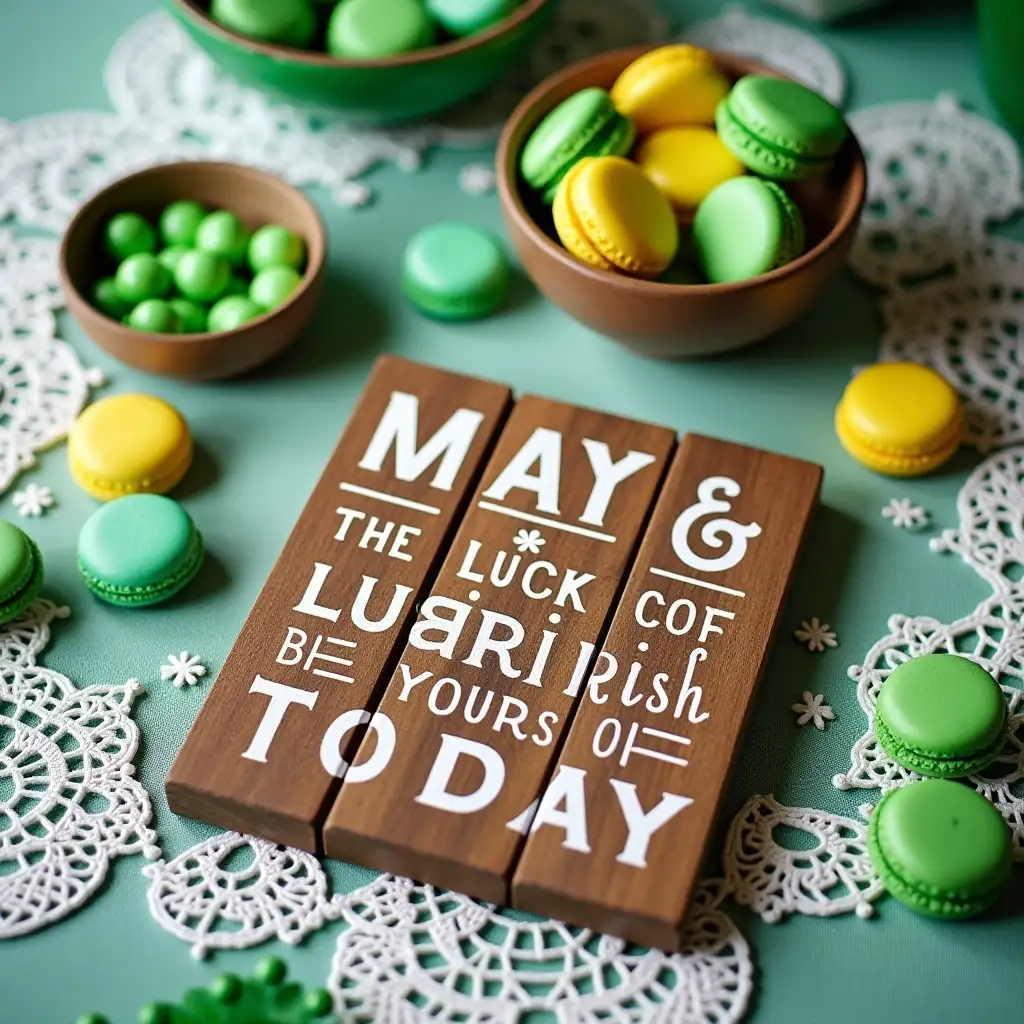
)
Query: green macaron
[
  {"x": 372, "y": 29},
  {"x": 780, "y": 129},
  {"x": 466, "y": 17},
  {"x": 940, "y": 847},
  {"x": 455, "y": 271},
  {"x": 746, "y": 227},
  {"x": 21, "y": 571},
  {"x": 139, "y": 550},
  {"x": 585, "y": 124},
  {"x": 941, "y": 715}
]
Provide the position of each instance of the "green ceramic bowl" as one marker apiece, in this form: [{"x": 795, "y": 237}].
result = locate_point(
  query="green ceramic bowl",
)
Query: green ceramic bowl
[{"x": 401, "y": 88}]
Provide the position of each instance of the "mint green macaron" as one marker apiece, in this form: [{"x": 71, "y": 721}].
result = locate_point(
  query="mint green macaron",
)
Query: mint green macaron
[
  {"x": 940, "y": 847},
  {"x": 780, "y": 129},
  {"x": 941, "y": 715},
  {"x": 585, "y": 124},
  {"x": 455, "y": 271},
  {"x": 467, "y": 17},
  {"x": 371, "y": 29},
  {"x": 139, "y": 550},
  {"x": 21, "y": 571},
  {"x": 746, "y": 227}
]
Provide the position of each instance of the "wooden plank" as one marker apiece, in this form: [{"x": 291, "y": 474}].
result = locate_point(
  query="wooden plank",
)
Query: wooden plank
[
  {"x": 620, "y": 834},
  {"x": 265, "y": 755},
  {"x": 474, "y": 714}
]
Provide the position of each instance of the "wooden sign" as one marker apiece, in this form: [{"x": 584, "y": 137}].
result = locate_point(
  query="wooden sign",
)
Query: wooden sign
[
  {"x": 618, "y": 837},
  {"x": 278, "y": 728},
  {"x": 463, "y": 741}
]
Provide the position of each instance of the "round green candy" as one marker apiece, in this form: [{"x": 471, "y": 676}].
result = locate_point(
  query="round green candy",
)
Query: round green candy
[
  {"x": 180, "y": 221},
  {"x": 371, "y": 29},
  {"x": 940, "y": 847},
  {"x": 272, "y": 286},
  {"x": 274, "y": 245},
  {"x": 291, "y": 22},
  {"x": 141, "y": 277},
  {"x": 128, "y": 234},
  {"x": 941, "y": 715},
  {"x": 191, "y": 318},
  {"x": 237, "y": 285},
  {"x": 201, "y": 276},
  {"x": 21, "y": 571},
  {"x": 466, "y": 17},
  {"x": 107, "y": 298},
  {"x": 222, "y": 233},
  {"x": 231, "y": 312},
  {"x": 169, "y": 257},
  {"x": 155, "y": 316}
]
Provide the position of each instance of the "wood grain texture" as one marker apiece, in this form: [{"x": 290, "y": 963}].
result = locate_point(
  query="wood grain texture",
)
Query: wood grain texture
[
  {"x": 485, "y": 687},
  {"x": 663, "y": 713},
  {"x": 322, "y": 637}
]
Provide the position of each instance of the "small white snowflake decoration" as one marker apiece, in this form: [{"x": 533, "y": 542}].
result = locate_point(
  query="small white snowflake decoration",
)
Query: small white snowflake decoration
[
  {"x": 528, "y": 541},
  {"x": 34, "y": 500},
  {"x": 183, "y": 670},
  {"x": 813, "y": 709},
  {"x": 817, "y": 635},
  {"x": 905, "y": 514},
  {"x": 476, "y": 179}
]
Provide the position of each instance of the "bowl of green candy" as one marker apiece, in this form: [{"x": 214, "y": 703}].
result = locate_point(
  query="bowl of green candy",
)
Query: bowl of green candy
[{"x": 197, "y": 271}]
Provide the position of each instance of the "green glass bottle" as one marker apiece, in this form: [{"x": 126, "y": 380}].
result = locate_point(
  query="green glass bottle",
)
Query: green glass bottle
[{"x": 1001, "y": 34}]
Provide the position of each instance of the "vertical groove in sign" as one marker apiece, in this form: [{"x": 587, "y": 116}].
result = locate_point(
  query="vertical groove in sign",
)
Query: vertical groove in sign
[
  {"x": 618, "y": 836},
  {"x": 278, "y": 729},
  {"x": 484, "y": 689}
]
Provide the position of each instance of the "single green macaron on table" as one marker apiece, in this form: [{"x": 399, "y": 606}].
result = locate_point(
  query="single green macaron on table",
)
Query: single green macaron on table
[
  {"x": 941, "y": 715},
  {"x": 139, "y": 550},
  {"x": 940, "y": 847},
  {"x": 21, "y": 571},
  {"x": 780, "y": 129},
  {"x": 585, "y": 124}
]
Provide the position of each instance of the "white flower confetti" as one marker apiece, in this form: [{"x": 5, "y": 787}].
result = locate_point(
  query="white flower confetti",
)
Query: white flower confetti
[
  {"x": 34, "y": 500},
  {"x": 528, "y": 540},
  {"x": 905, "y": 515},
  {"x": 817, "y": 635},
  {"x": 183, "y": 670},
  {"x": 813, "y": 709},
  {"x": 476, "y": 179}
]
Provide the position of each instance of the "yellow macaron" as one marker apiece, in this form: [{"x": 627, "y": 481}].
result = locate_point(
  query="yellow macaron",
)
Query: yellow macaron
[
  {"x": 900, "y": 419},
  {"x": 129, "y": 444},
  {"x": 686, "y": 164},
  {"x": 670, "y": 86},
  {"x": 609, "y": 214}
]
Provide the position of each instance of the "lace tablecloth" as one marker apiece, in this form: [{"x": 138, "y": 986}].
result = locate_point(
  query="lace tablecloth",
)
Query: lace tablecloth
[{"x": 104, "y": 894}]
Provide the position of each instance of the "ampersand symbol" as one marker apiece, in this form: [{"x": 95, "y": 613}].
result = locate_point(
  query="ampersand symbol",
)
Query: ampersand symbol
[{"x": 715, "y": 532}]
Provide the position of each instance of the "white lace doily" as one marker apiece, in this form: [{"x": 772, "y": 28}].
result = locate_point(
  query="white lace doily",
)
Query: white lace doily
[
  {"x": 990, "y": 539},
  {"x": 68, "y": 801},
  {"x": 783, "y": 47}
]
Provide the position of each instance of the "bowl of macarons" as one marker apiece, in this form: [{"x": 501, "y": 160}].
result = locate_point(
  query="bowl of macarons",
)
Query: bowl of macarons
[
  {"x": 376, "y": 61},
  {"x": 681, "y": 202},
  {"x": 198, "y": 271}
]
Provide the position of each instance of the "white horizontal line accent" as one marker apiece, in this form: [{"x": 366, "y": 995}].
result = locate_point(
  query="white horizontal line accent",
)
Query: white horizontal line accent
[
  {"x": 390, "y": 498},
  {"x": 541, "y": 521},
  {"x": 698, "y": 583}
]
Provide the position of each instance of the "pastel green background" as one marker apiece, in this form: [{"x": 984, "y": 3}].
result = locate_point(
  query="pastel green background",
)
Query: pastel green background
[{"x": 263, "y": 440}]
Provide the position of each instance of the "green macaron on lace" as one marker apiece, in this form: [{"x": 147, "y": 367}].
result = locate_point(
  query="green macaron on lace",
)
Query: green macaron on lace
[
  {"x": 149, "y": 593},
  {"x": 23, "y": 589}
]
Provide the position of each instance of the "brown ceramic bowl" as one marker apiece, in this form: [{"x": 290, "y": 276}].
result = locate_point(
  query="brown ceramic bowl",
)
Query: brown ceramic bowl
[
  {"x": 675, "y": 321},
  {"x": 257, "y": 198}
]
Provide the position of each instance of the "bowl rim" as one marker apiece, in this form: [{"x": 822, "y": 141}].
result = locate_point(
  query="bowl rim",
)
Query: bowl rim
[
  {"x": 314, "y": 261},
  {"x": 190, "y": 10},
  {"x": 510, "y": 193}
]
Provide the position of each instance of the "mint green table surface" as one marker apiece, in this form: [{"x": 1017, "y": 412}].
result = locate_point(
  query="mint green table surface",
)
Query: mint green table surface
[{"x": 263, "y": 441}]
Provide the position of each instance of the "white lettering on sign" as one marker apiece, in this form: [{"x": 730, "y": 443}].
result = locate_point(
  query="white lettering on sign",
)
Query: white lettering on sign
[
  {"x": 330, "y": 746},
  {"x": 713, "y": 532},
  {"x": 607, "y": 476},
  {"x": 564, "y": 805},
  {"x": 281, "y": 699},
  {"x": 309, "y": 603},
  {"x": 435, "y": 789},
  {"x": 399, "y": 428},
  {"x": 642, "y": 825}
]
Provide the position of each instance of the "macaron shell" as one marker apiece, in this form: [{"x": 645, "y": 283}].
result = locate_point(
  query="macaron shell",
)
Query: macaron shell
[
  {"x": 465, "y": 17},
  {"x": 767, "y": 161},
  {"x": 624, "y": 216},
  {"x": 940, "y": 847},
  {"x": 670, "y": 86},
  {"x": 570, "y": 232},
  {"x": 687, "y": 163},
  {"x": 21, "y": 571},
  {"x": 371, "y": 29},
  {"x": 900, "y": 418},
  {"x": 562, "y": 136},
  {"x": 128, "y": 444},
  {"x": 616, "y": 140}
]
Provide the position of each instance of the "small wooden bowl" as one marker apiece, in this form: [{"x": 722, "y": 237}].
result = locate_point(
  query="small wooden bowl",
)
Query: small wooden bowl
[
  {"x": 394, "y": 89},
  {"x": 257, "y": 198},
  {"x": 675, "y": 321}
]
